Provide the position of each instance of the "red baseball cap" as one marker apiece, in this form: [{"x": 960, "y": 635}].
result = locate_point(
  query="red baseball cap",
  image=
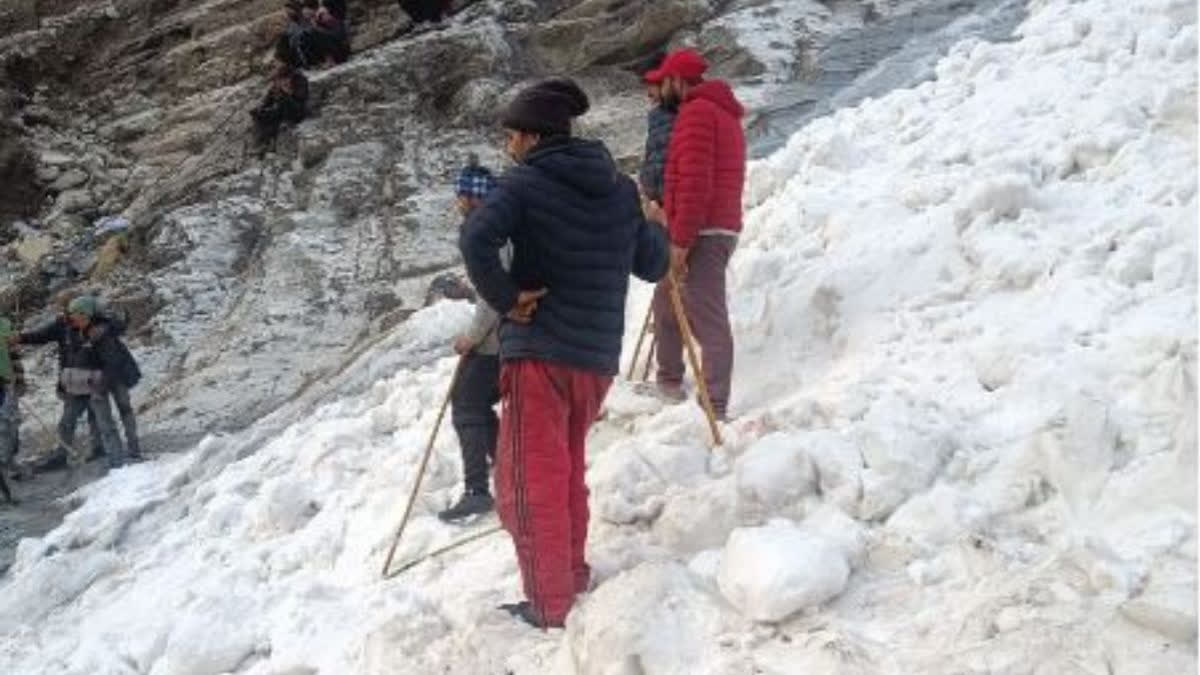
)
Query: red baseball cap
[{"x": 685, "y": 63}]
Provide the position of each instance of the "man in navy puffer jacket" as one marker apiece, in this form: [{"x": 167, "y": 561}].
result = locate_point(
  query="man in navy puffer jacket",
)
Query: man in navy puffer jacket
[
  {"x": 659, "y": 122},
  {"x": 577, "y": 232}
]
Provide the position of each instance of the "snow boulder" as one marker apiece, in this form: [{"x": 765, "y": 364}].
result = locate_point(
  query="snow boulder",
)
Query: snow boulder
[
  {"x": 847, "y": 534},
  {"x": 771, "y": 572},
  {"x": 698, "y": 519},
  {"x": 996, "y": 197},
  {"x": 656, "y": 618},
  {"x": 284, "y": 506},
  {"x": 900, "y": 459},
  {"x": 33, "y": 592},
  {"x": 773, "y": 474},
  {"x": 838, "y": 467},
  {"x": 210, "y": 637},
  {"x": 628, "y": 480}
]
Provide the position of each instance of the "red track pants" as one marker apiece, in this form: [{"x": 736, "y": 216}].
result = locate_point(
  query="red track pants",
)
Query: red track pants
[{"x": 541, "y": 495}]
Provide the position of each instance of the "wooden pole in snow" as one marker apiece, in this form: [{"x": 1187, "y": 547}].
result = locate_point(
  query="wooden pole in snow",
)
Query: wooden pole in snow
[
  {"x": 412, "y": 497},
  {"x": 685, "y": 329}
]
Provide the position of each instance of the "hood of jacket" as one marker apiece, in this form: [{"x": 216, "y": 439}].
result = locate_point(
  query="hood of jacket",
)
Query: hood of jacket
[
  {"x": 584, "y": 165},
  {"x": 720, "y": 93}
]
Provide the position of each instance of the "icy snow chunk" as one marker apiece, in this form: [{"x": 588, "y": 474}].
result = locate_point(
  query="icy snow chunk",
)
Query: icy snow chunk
[
  {"x": 923, "y": 192},
  {"x": 698, "y": 519},
  {"x": 837, "y": 152},
  {"x": 774, "y": 571},
  {"x": 936, "y": 517},
  {"x": 847, "y": 534},
  {"x": 899, "y": 460},
  {"x": 55, "y": 581},
  {"x": 774, "y": 473},
  {"x": 1133, "y": 261},
  {"x": 223, "y": 513},
  {"x": 658, "y": 616},
  {"x": 998, "y": 197},
  {"x": 211, "y": 637},
  {"x": 1173, "y": 267},
  {"x": 284, "y": 507},
  {"x": 838, "y": 466},
  {"x": 628, "y": 479},
  {"x": 706, "y": 564},
  {"x": 1168, "y": 605}
]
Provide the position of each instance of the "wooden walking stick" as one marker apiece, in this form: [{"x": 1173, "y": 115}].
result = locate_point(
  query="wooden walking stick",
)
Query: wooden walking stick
[
  {"x": 650, "y": 357},
  {"x": 686, "y": 331},
  {"x": 74, "y": 456},
  {"x": 412, "y": 498},
  {"x": 445, "y": 549},
  {"x": 637, "y": 349}
]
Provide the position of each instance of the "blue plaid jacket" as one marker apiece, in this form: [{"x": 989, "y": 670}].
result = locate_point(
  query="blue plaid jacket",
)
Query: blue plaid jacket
[{"x": 475, "y": 181}]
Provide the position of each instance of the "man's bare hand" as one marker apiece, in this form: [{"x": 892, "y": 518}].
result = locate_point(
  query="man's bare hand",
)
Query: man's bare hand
[
  {"x": 527, "y": 302},
  {"x": 679, "y": 266},
  {"x": 654, "y": 212},
  {"x": 463, "y": 345}
]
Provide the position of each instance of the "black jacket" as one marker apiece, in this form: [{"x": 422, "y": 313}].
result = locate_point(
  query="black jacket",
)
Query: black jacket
[
  {"x": 659, "y": 124},
  {"x": 336, "y": 7},
  {"x": 75, "y": 350},
  {"x": 577, "y": 229}
]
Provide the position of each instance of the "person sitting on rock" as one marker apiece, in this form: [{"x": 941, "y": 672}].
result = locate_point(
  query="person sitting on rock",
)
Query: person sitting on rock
[
  {"x": 297, "y": 45},
  {"x": 425, "y": 11},
  {"x": 477, "y": 388},
  {"x": 285, "y": 101},
  {"x": 335, "y": 7},
  {"x": 82, "y": 380},
  {"x": 333, "y": 40}
]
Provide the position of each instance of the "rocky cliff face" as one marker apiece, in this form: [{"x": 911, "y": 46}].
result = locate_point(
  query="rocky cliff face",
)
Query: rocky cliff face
[{"x": 250, "y": 280}]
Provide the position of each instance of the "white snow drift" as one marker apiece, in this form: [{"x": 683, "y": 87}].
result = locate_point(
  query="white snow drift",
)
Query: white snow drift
[{"x": 965, "y": 433}]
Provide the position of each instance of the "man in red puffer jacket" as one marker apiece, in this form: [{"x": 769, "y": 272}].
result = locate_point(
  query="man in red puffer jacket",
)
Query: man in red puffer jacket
[{"x": 706, "y": 169}]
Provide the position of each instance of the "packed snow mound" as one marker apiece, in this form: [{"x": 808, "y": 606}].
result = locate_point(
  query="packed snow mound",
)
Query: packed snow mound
[
  {"x": 656, "y": 618},
  {"x": 965, "y": 317},
  {"x": 776, "y": 570}
]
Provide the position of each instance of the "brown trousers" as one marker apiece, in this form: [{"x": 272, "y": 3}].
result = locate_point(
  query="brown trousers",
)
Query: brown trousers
[{"x": 707, "y": 311}]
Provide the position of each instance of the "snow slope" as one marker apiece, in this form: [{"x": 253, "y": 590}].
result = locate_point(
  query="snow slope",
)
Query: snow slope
[{"x": 965, "y": 435}]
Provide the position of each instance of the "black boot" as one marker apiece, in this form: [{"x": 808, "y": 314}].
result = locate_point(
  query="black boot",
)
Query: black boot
[
  {"x": 525, "y": 612},
  {"x": 472, "y": 503}
]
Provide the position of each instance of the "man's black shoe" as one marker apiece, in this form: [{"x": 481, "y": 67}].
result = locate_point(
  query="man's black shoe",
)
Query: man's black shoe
[
  {"x": 525, "y": 612},
  {"x": 471, "y": 504}
]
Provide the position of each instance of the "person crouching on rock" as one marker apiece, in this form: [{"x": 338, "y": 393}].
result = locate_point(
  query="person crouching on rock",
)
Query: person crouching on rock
[
  {"x": 81, "y": 379},
  {"x": 477, "y": 389},
  {"x": 285, "y": 101},
  {"x": 577, "y": 232},
  {"x": 333, "y": 40},
  {"x": 12, "y": 385},
  {"x": 425, "y": 11}
]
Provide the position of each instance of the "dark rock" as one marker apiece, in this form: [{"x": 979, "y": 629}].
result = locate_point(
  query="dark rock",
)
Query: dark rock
[
  {"x": 449, "y": 286},
  {"x": 379, "y": 303}
]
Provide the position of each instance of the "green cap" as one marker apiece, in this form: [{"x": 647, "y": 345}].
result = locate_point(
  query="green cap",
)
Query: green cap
[{"x": 85, "y": 305}]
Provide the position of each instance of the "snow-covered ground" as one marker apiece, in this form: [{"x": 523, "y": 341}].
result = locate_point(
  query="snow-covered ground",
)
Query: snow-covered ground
[{"x": 965, "y": 434}]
